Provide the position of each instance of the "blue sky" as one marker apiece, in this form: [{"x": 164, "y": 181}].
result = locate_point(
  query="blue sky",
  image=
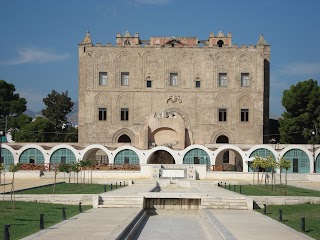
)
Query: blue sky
[{"x": 39, "y": 39}]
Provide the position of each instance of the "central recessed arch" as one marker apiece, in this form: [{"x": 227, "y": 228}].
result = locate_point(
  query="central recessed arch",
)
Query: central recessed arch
[
  {"x": 161, "y": 157},
  {"x": 226, "y": 154}
]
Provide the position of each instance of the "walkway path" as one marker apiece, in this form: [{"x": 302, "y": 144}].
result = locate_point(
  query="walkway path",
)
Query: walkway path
[{"x": 106, "y": 223}]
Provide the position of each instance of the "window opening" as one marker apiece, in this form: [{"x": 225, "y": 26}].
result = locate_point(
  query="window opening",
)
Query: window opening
[
  {"x": 173, "y": 79},
  {"x": 149, "y": 83},
  {"x": 223, "y": 80},
  {"x": 198, "y": 83},
  {"x": 244, "y": 115},
  {"x": 222, "y": 115},
  {"x": 102, "y": 114},
  {"x": 103, "y": 78},
  {"x": 124, "y": 114},
  {"x": 220, "y": 43},
  {"x": 245, "y": 81},
  {"x": 124, "y": 78}
]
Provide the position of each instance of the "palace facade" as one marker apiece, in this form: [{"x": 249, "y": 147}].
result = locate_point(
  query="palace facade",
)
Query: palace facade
[{"x": 173, "y": 92}]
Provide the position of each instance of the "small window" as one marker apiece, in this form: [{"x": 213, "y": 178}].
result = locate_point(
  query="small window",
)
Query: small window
[
  {"x": 124, "y": 78},
  {"x": 220, "y": 43},
  {"x": 149, "y": 83},
  {"x": 222, "y": 115},
  {"x": 244, "y": 115},
  {"x": 173, "y": 79},
  {"x": 223, "y": 80},
  {"x": 103, "y": 78},
  {"x": 198, "y": 83},
  {"x": 245, "y": 80},
  {"x": 124, "y": 114},
  {"x": 32, "y": 159},
  {"x": 102, "y": 114}
]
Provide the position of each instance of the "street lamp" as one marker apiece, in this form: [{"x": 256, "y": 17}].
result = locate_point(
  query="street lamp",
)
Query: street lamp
[{"x": 314, "y": 157}]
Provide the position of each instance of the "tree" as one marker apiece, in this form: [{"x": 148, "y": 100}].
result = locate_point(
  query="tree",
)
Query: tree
[
  {"x": 256, "y": 165},
  {"x": 13, "y": 168},
  {"x": 10, "y": 102},
  {"x": 39, "y": 130},
  {"x": 302, "y": 104},
  {"x": 286, "y": 164},
  {"x": 57, "y": 107}
]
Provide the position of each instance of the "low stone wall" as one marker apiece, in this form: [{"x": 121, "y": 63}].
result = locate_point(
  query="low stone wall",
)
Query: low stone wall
[
  {"x": 67, "y": 199},
  {"x": 284, "y": 200}
]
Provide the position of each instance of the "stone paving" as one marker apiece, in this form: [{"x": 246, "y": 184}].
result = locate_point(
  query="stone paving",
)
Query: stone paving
[{"x": 104, "y": 223}]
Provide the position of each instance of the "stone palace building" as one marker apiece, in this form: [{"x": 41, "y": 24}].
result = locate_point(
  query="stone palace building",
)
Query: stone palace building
[{"x": 173, "y": 91}]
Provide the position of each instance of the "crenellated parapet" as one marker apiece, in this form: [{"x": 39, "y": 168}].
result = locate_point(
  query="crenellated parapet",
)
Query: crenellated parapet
[{"x": 220, "y": 40}]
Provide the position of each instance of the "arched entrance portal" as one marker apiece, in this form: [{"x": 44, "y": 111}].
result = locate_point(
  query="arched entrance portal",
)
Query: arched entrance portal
[
  {"x": 235, "y": 161},
  {"x": 161, "y": 157},
  {"x": 226, "y": 155}
]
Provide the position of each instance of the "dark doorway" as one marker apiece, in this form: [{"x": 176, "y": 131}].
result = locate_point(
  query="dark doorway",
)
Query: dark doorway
[
  {"x": 161, "y": 157},
  {"x": 295, "y": 165},
  {"x": 196, "y": 160}
]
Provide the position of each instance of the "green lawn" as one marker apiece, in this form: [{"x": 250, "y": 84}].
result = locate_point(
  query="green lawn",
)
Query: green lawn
[
  {"x": 70, "y": 188},
  {"x": 24, "y": 220},
  {"x": 291, "y": 216},
  {"x": 278, "y": 190}
]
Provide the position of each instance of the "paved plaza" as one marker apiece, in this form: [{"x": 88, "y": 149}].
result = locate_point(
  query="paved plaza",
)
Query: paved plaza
[{"x": 108, "y": 223}]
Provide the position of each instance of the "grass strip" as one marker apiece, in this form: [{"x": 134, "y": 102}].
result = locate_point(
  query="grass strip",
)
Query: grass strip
[
  {"x": 291, "y": 216},
  {"x": 24, "y": 219},
  {"x": 70, "y": 188},
  {"x": 268, "y": 190}
]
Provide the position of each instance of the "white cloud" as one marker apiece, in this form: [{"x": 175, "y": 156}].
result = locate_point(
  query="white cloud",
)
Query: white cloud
[
  {"x": 33, "y": 55},
  {"x": 152, "y": 2},
  {"x": 301, "y": 69}
]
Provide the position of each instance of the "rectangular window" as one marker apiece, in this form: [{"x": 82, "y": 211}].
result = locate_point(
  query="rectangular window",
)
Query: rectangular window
[
  {"x": 245, "y": 80},
  {"x": 222, "y": 115},
  {"x": 173, "y": 79},
  {"x": 198, "y": 84},
  {"x": 244, "y": 115},
  {"x": 223, "y": 81},
  {"x": 149, "y": 83},
  {"x": 124, "y": 114},
  {"x": 102, "y": 114},
  {"x": 103, "y": 78},
  {"x": 124, "y": 78}
]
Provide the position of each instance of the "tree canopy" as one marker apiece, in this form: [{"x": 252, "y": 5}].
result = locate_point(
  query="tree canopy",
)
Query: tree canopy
[
  {"x": 57, "y": 106},
  {"x": 10, "y": 102},
  {"x": 302, "y": 114},
  {"x": 39, "y": 130}
]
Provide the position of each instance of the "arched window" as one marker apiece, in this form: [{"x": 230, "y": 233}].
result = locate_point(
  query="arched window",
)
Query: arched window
[
  {"x": 220, "y": 43},
  {"x": 222, "y": 139},
  {"x": 124, "y": 139}
]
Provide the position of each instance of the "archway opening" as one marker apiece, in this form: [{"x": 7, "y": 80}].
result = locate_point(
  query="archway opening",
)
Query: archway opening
[
  {"x": 233, "y": 163},
  {"x": 261, "y": 152},
  {"x": 222, "y": 139},
  {"x": 124, "y": 139},
  {"x": 32, "y": 156},
  {"x": 300, "y": 162},
  {"x": 6, "y": 158},
  {"x": 161, "y": 157},
  {"x": 62, "y": 156},
  {"x": 126, "y": 156},
  {"x": 220, "y": 43},
  {"x": 196, "y": 156}
]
